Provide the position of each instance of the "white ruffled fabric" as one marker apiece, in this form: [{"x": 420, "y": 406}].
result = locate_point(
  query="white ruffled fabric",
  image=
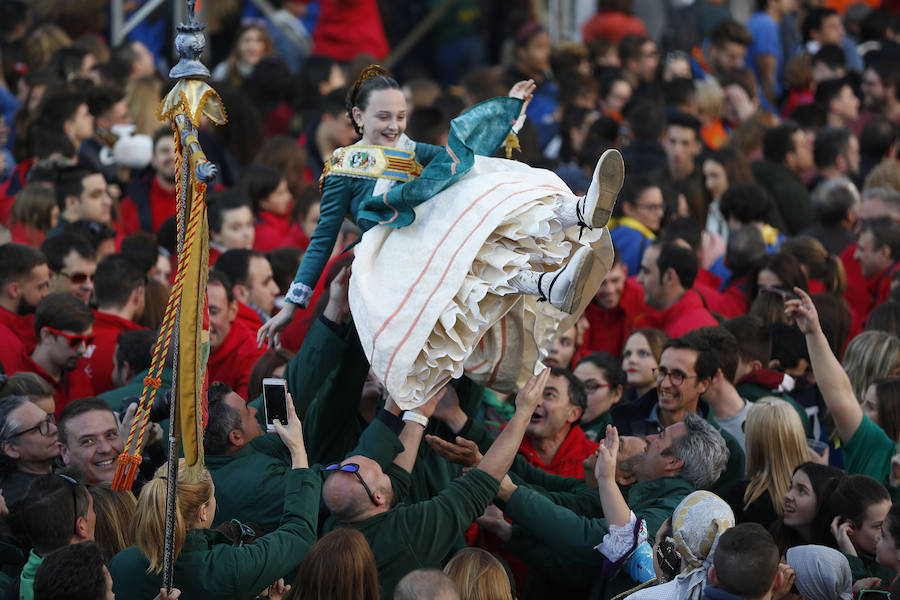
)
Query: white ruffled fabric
[
  {"x": 433, "y": 299},
  {"x": 619, "y": 541}
]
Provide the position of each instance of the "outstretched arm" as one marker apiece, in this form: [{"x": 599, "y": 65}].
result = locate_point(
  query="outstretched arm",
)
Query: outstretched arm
[{"x": 833, "y": 381}]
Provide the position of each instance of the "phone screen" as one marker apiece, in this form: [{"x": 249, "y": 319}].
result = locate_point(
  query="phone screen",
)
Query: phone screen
[{"x": 275, "y": 397}]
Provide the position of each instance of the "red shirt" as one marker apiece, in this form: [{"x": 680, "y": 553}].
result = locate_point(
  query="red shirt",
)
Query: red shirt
[
  {"x": 162, "y": 204},
  {"x": 734, "y": 300},
  {"x": 71, "y": 386},
  {"x": 348, "y": 28},
  {"x": 275, "y": 231},
  {"x": 568, "y": 458},
  {"x": 609, "y": 328},
  {"x": 17, "y": 340},
  {"x": 107, "y": 328},
  {"x": 248, "y": 317},
  {"x": 292, "y": 336},
  {"x": 685, "y": 315},
  {"x": 232, "y": 362},
  {"x": 27, "y": 234}
]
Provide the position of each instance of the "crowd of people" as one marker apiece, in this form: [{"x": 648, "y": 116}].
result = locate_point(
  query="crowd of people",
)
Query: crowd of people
[{"x": 721, "y": 422}]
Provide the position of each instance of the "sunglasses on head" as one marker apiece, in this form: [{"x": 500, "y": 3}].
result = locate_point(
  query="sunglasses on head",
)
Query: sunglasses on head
[
  {"x": 74, "y": 486},
  {"x": 352, "y": 468},
  {"x": 78, "y": 278},
  {"x": 74, "y": 340}
]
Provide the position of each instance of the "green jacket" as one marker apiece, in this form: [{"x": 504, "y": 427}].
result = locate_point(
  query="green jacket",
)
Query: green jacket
[
  {"x": 210, "y": 566},
  {"x": 26, "y": 579},
  {"x": 416, "y": 536},
  {"x": 562, "y": 542},
  {"x": 864, "y": 565}
]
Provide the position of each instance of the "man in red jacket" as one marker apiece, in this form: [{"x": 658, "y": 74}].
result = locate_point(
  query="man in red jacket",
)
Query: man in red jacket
[
  {"x": 64, "y": 328},
  {"x": 878, "y": 255},
  {"x": 119, "y": 286},
  {"x": 612, "y": 312},
  {"x": 553, "y": 440},
  {"x": 233, "y": 350},
  {"x": 667, "y": 274},
  {"x": 24, "y": 281}
]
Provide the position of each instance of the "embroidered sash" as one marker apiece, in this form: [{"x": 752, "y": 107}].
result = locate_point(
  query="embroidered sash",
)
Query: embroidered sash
[{"x": 373, "y": 162}]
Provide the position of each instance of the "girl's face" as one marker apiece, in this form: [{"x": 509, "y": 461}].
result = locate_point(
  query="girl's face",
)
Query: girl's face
[
  {"x": 800, "y": 502},
  {"x": 870, "y": 404},
  {"x": 384, "y": 119},
  {"x": 279, "y": 201},
  {"x": 251, "y": 46},
  {"x": 716, "y": 179},
  {"x": 865, "y": 538},
  {"x": 638, "y": 361},
  {"x": 767, "y": 278},
  {"x": 237, "y": 229},
  {"x": 886, "y": 552},
  {"x": 600, "y": 395}
]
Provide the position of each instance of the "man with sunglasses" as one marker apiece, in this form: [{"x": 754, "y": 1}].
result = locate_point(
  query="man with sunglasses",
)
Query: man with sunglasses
[
  {"x": 24, "y": 281},
  {"x": 60, "y": 512},
  {"x": 64, "y": 328},
  {"x": 362, "y": 496},
  {"x": 72, "y": 263}
]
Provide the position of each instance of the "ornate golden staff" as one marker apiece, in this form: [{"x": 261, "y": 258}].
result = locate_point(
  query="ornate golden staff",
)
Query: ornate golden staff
[{"x": 186, "y": 313}]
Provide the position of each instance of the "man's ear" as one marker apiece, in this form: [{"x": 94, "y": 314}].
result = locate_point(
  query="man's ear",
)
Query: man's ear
[
  {"x": 241, "y": 293},
  {"x": 71, "y": 203},
  {"x": 673, "y": 463},
  {"x": 81, "y": 529},
  {"x": 137, "y": 294},
  {"x": 12, "y": 289},
  {"x": 236, "y": 438},
  {"x": 573, "y": 413},
  {"x": 10, "y": 450},
  {"x": 706, "y": 383},
  {"x": 64, "y": 453},
  {"x": 625, "y": 478},
  {"x": 711, "y": 576}
]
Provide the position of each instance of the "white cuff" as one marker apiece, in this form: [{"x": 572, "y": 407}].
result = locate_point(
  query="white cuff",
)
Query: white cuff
[
  {"x": 619, "y": 541},
  {"x": 518, "y": 124},
  {"x": 299, "y": 294},
  {"x": 415, "y": 417}
]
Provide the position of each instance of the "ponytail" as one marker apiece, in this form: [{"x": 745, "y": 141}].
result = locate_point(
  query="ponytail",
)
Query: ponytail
[
  {"x": 149, "y": 521},
  {"x": 372, "y": 78}
]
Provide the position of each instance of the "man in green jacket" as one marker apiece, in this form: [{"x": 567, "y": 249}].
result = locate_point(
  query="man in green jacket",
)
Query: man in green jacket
[
  {"x": 690, "y": 454},
  {"x": 361, "y": 496}
]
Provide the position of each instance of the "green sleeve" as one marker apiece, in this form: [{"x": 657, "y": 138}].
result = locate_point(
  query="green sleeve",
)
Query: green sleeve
[
  {"x": 535, "y": 477},
  {"x": 584, "y": 502},
  {"x": 308, "y": 369},
  {"x": 426, "y": 152},
  {"x": 804, "y": 418},
  {"x": 332, "y": 423},
  {"x": 736, "y": 467},
  {"x": 254, "y": 566},
  {"x": 564, "y": 531},
  {"x": 435, "y": 525},
  {"x": 337, "y": 192},
  {"x": 869, "y": 451},
  {"x": 379, "y": 443}
]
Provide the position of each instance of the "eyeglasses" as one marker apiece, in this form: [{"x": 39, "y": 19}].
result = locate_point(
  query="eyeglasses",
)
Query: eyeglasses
[
  {"x": 592, "y": 386},
  {"x": 43, "y": 427},
  {"x": 75, "y": 341},
  {"x": 784, "y": 294},
  {"x": 676, "y": 377},
  {"x": 651, "y": 207},
  {"x": 352, "y": 468},
  {"x": 74, "y": 486},
  {"x": 78, "y": 278}
]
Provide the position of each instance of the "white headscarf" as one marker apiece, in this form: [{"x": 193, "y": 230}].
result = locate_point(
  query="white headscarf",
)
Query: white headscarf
[
  {"x": 697, "y": 524},
  {"x": 822, "y": 573}
]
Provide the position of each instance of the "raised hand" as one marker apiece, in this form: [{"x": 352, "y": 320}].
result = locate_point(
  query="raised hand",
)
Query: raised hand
[
  {"x": 291, "y": 433},
  {"x": 803, "y": 312},
  {"x": 464, "y": 452},
  {"x": 338, "y": 307},
  {"x": 531, "y": 395},
  {"x": 523, "y": 89},
  {"x": 607, "y": 452},
  {"x": 271, "y": 329}
]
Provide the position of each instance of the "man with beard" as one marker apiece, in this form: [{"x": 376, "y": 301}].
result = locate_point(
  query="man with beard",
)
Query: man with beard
[
  {"x": 64, "y": 327},
  {"x": 880, "y": 89},
  {"x": 24, "y": 281},
  {"x": 151, "y": 193}
]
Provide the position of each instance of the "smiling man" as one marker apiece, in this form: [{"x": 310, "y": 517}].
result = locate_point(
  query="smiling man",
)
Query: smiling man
[
  {"x": 90, "y": 440},
  {"x": 553, "y": 440}
]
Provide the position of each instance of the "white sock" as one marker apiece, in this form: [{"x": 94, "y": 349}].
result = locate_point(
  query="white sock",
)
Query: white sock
[{"x": 567, "y": 212}]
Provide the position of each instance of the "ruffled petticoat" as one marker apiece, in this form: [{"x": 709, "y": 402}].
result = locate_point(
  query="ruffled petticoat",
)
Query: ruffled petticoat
[{"x": 433, "y": 300}]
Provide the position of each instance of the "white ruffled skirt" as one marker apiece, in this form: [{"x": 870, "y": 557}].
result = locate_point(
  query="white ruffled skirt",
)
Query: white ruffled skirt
[{"x": 433, "y": 300}]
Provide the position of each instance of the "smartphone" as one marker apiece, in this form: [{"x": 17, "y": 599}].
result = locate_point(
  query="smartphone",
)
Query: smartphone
[{"x": 275, "y": 401}]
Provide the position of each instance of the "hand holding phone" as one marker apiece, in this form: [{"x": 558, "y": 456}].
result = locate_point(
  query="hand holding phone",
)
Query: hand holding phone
[{"x": 275, "y": 401}]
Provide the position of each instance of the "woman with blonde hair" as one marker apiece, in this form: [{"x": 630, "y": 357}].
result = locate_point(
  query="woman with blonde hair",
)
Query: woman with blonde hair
[
  {"x": 869, "y": 356},
  {"x": 340, "y": 565},
  {"x": 43, "y": 42},
  {"x": 775, "y": 444},
  {"x": 207, "y": 564},
  {"x": 114, "y": 510},
  {"x": 142, "y": 96},
  {"x": 479, "y": 575}
]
